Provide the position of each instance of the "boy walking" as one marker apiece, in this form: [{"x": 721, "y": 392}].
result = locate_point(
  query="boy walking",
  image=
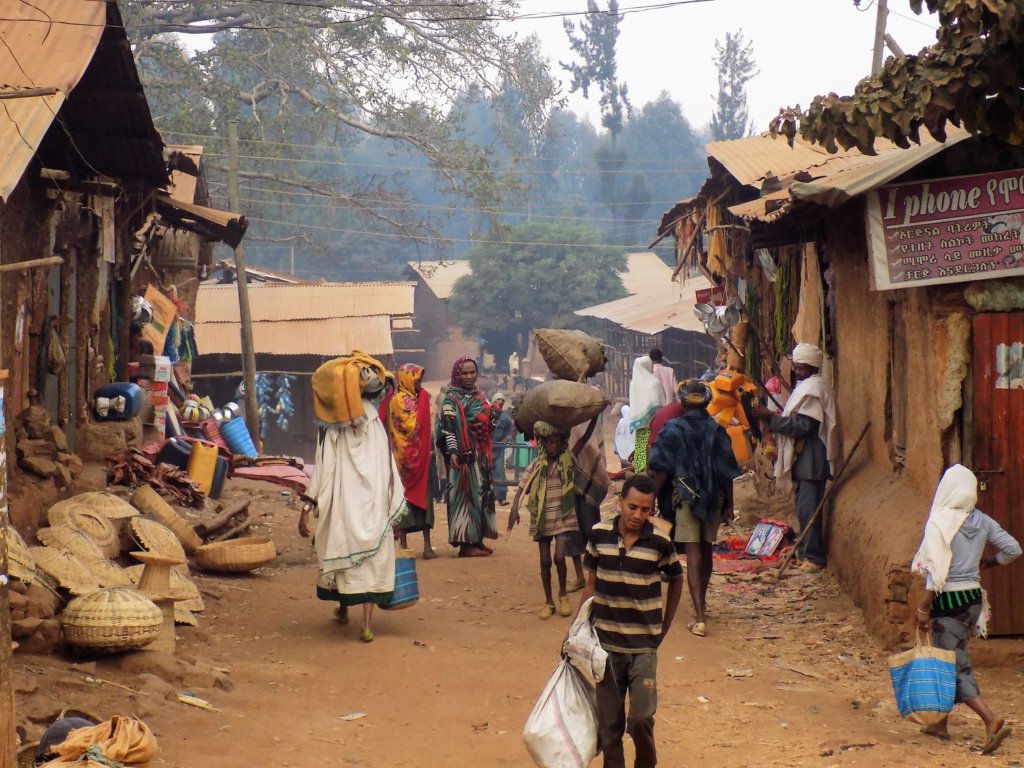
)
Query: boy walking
[{"x": 626, "y": 559}]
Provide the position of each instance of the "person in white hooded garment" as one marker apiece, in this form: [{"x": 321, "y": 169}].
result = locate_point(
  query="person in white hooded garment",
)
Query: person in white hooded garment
[
  {"x": 953, "y": 605},
  {"x": 807, "y": 437}
]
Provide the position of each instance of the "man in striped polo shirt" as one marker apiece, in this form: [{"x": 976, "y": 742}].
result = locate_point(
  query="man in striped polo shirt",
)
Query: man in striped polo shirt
[{"x": 625, "y": 559}]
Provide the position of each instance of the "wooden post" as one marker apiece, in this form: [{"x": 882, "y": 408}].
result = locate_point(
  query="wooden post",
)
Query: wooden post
[
  {"x": 878, "y": 51},
  {"x": 8, "y": 736},
  {"x": 252, "y": 417}
]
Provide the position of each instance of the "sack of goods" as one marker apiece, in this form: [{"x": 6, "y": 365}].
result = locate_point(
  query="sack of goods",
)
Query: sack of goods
[
  {"x": 582, "y": 648},
  {"x": 561, "y": 731},
  {"x": 924, "y": 682},
  {"x": 570, "y": 355},
  {"x": 562, "y": 403}
]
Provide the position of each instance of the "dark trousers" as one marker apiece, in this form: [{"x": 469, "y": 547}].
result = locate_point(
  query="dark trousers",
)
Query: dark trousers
[
  {"x": 808, "y": 496},
  {"x": 635, "y": 673}
]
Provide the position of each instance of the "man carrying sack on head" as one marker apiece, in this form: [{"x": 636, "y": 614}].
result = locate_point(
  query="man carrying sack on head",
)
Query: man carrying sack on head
[{"x": 807, "y": 437}]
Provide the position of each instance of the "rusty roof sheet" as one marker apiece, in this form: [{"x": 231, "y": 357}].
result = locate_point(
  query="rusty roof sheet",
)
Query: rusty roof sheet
[
  {"x": 311, "y": 301},
  {"x": 440, "y": 276},
  {"x": 645, "y": 272},
  {"x": 68, "y": 45},
  {"x": 751, "y": 158},
  {"x": 328, "y": 337},
  {"x": 670, "y": 306}
]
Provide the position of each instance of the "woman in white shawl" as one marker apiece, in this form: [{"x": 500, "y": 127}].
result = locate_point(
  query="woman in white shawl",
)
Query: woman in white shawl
[
  {"x": 625, "y": 440},
  {"x": 646, "y": 396},
  {"x": 953, "y": 605},
  {"x": 355, "y": 493}
]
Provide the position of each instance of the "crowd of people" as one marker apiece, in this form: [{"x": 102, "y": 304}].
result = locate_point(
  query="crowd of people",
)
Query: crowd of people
[{"x": 385, "y": 457}]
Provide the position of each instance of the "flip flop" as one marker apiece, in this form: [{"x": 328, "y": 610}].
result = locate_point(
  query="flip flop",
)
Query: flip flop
[
  {"x": 564, "y": 607},
  {"x": 575, "y": 587},
  {"x": 994, "y": 740},
  {"x": 698, "y": 628},
  {"x": 366, "y": 635},
  {"x": 546, "y": 612}
]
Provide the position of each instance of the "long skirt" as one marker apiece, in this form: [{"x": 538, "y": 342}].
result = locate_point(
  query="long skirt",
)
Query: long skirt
[
  {"x": 414, "y": 519},
  {"x": 470, "y": 504}
]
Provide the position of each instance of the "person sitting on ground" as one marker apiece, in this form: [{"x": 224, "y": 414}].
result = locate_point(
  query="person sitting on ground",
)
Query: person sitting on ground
[
  {"x": 663, "y": 373},
  {"x": 551, "y": 485},
  {"x": 626, "y": 561},
  {"x": 694, "y": 455},
  {"x": 55, "y": 735},
  {"x": 953, "y": 605},
  {"x": 807, "y": 437}
]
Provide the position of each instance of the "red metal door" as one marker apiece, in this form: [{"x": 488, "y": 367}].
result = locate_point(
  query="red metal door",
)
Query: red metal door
[{"x": 999, "y": 452}]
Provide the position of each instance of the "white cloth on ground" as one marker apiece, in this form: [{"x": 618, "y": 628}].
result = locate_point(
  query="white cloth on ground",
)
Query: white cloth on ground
[
  {"x": 955, "y": 498},
  {"x": 359, "y": 495},
  {"x": 624, "y": 437},
  {"x": 646, "y": 395},
  {"x": 812, "y": 397}
]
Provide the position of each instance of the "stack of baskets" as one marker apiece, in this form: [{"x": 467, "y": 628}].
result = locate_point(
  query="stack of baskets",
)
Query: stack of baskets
[
  {"x": 117, "y": 618},
  {"x": 236, "y": 555},
  {"x": 146, "y": 500}
]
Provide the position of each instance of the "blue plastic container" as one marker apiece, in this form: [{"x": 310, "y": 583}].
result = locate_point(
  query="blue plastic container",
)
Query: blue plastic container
[
  {"x": 407, "y": 588},
  {"x": 132, "y": 394},
  {"x": 237, "y": 438}
]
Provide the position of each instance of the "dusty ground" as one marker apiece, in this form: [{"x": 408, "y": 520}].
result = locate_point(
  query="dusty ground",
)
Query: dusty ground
[{"x": 787, "y": 675}]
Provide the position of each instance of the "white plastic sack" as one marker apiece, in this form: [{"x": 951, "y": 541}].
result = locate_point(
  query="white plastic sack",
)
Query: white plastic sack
[
  {"x": 561, "y": 731},
  {"x": 582, "y": 647}
]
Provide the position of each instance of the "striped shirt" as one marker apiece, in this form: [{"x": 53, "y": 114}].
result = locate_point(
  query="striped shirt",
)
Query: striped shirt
[{"x": 627, "y": 596}]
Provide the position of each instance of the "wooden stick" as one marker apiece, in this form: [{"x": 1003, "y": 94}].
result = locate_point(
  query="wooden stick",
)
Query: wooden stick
[
  {"x": 693, "y": 235},
  {"x": 234, "y": 530},
  {"x": 222, "y": 519},
  {"x": 116, "y": 685},
  {"x": 821, "y": 505},
  {"x": 49, "y": 261}
]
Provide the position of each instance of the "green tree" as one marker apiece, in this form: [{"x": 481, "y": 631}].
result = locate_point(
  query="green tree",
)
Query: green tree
[
  {"x": 736, "y": 67},
  {"x": 534, "y": 276},
  {"x": 970, "y": 76}
]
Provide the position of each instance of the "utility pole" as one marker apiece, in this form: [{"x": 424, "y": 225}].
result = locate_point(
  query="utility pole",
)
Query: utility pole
[
  {"x": 292, "y": 251},
  {"x": 879, "y": 48},
  {"x": 252, "y": 416}
]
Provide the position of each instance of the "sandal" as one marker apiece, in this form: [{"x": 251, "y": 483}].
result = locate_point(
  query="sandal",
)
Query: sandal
[
  {"x": 576, "y": 587},
  {"x": 994, "y": 740},
  {"x": 564, "y": 608},
  {"x": 698, "y": 628},
  {"x": 366, "y": 635},
  {"x": 808, "y": 567},
  {"x": 546, "y": 612}
]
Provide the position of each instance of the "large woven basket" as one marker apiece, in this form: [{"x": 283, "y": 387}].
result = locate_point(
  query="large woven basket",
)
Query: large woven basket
[
  {"x": 65, "y": 569},
  {"x": 182, "y": 589},
  {"x": 71, "y": 540},
  {"x": 117, "y": 618},
  {"x": 20, "y": 564},
  {"x": 107, "y": 504},
  {"x": 236, "y": 555},
  {"x": 156, "y": 538},
  {"x": 90, "y": 522},
  {"x": 145, "y": 499},
  {"x": 108, "y": 574}
]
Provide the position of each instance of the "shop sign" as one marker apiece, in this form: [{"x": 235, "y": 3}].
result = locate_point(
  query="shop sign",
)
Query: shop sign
[{"x": 946, "y": 230}]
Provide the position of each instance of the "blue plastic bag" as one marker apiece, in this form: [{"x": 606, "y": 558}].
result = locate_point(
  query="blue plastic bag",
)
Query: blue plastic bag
[{"x": 924, "y": 682}]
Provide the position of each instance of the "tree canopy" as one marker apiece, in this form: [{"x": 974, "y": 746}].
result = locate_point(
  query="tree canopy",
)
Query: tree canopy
[
  {"x": 534, "y": 276},
  {"x": 971, "y": 76},
  {"x": 735, "y": 63}
]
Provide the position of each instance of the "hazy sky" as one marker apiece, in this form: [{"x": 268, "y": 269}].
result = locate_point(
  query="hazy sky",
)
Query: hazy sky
[{"x": 802, "y": 48}]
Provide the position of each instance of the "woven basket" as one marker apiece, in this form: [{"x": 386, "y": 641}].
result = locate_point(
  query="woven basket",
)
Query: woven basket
[
  {"x": 107, "y": 504},
  {"x": 65, "y": 569},
  {"x": 147, "y": 500},
  {"x": 236, "y": 555},
  {"x": 90, "y": 522},
  {"x": 108, "y": 574},
  {"x": 116, "y": 618},
  {"x": 71, "y": 540},
  {"x": 20, "y": 564},
  {"x": 185, "y": 592},
  {"x": 155, "y": 537},
  {"x": 184, "y": 616}
]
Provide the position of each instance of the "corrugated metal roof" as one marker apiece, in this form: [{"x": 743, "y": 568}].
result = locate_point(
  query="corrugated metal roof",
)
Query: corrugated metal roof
[
  {"x": 750, "y": 159},
  {"x": 284, "y": 301},
  {"x": 440, "y": 276},
  {"x": 326, "y": 337},
  {"x": 845, "y": 176},
  {"x": 645, "y": 272},
  {"x": 670, "y": 306}
]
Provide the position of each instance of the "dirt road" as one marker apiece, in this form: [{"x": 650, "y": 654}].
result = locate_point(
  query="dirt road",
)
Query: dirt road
[{"x": 787, "y": 675}]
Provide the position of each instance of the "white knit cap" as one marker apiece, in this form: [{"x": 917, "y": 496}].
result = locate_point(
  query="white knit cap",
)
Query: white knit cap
[{"x": 808, "y": 354}]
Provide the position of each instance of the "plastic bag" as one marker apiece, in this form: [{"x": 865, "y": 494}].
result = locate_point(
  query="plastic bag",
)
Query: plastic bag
[
  {"x": 924, "y": 682},
  {"x": 561, "y": 731},
  {"x": 582, "y": 647}
]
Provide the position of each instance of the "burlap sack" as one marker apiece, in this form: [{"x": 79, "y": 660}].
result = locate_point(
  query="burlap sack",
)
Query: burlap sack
[
  {"x": 570, "y": 355},
  {"x": 562, "y": 403}
]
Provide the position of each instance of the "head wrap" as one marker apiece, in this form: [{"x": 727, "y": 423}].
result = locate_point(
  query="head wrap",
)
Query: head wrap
[
  {"x": 625, "y": 440},
  {"x": 693, "y": 393},
  {"x": 955, "y": 497},
  {"x": 498, "y": 396},
  {"x": 457, "y": 370},
  {"x": 338, "y": 388},
  {"x": 808, "y": 354},
  {"x": 646, "y": 394},
  {"x": 546, "y": 429}
]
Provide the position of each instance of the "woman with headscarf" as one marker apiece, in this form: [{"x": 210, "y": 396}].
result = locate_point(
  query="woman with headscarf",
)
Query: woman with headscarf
[
  {"x": 625, "y": 439},
  {"x": 467, "y": 421},
  {"x": 406, "y": 416},
  {"x": 355, "y": 492},
  {"x": 646, "y": 396},
  {"x": 954, "y": 606}
]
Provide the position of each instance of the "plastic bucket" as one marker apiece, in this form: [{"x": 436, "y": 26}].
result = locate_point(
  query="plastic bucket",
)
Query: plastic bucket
[
  {"x": 237, "y": 438},
  {"x": 407, "y": 588},
  {"x": 202, "y": 464}
]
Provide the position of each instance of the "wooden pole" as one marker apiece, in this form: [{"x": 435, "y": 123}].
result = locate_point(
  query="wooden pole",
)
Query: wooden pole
[
  {"x": 252, "y": 419},
  {"x": 878, "y": 50},
  {"x": 821, "y": 505},
  {"x": 8, "y": 734}
]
